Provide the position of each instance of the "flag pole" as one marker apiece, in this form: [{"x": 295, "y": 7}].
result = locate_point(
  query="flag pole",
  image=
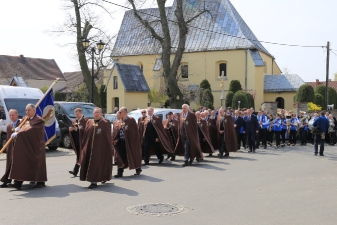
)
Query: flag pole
[{"x": 26, "y": 118}]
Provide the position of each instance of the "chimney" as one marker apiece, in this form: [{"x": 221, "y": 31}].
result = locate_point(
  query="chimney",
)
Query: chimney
[{"x": 317, "y": 82}]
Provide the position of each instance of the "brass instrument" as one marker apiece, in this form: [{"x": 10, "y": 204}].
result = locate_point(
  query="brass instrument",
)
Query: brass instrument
[
  {"x": 271, "y": 125},
  {"x": 288, "y": 126}
]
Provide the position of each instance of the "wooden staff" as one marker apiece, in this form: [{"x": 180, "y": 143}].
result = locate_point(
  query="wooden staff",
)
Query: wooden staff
[{"x": 26, "y": 118}]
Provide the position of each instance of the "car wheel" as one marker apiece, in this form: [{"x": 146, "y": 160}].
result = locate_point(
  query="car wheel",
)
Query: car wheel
[
  {"x": 3, "y": 141},
  {"x": 52, "y": 147},
  {"x": 66, "y": 141}
]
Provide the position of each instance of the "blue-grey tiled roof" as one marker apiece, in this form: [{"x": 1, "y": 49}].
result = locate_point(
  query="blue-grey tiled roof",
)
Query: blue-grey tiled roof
[
  {"x": 19, "y": 81},
  {"x": 256, "y": 57},
  {"x": 132, "y": 78},
  {"x": 282, "y": 83},
  {"x": 221, "y": 29}
]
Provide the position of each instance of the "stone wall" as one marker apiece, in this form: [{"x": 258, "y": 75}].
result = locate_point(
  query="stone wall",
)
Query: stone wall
[
  {"x": 300, "y": 106},
  {"x": 269, "y": 108}
]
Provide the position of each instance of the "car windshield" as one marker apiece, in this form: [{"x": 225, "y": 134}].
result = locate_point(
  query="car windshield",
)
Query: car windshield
[
  {"x": 135, "y": 116},
  {"x": 111, "y": 118},
  {"x": 19, "y": 104},
  {"x": 87, "y": 109}
]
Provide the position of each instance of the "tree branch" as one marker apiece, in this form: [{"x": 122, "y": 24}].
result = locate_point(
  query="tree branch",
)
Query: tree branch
[{"x": 196, "y": 16}]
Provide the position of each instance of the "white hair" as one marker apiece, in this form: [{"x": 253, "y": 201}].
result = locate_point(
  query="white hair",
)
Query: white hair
[
  {"x": 185, "y": 105},
  {"x": 32, "y": 106}
]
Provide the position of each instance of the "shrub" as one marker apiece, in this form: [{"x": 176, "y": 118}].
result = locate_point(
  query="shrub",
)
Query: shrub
[
  {"x": 235, "y": 86},
  {"x": 242, "y": 97},
  {"x": 319, "y": 100},
  {"x": 229, "y": 99},
  {"x": 305, "y": 93}
]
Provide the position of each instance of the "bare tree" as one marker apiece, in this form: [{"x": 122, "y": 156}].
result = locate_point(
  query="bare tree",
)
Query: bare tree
[
  {"x": 176, "y": 97},
  {"x": 286, "y": 70},
  {"x": 82, "y": 22}
]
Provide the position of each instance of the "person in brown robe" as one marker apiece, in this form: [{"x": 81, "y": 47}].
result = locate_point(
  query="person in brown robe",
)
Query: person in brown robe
[
  {"x": 227, "y": 133},
  {"x": 155, "y": 137},
  {"x": 204, "y": 139},
  {"x": 126, "y": 142},
  {"x": 188, "y": 135},
  {"x": 115, "y": 124},
  {"x": 29, "y": 153},
  {"x": 96, "y": 155},
  {"x": 212, "y": 131},
  {"x": 76, "y": 132},
  {"x": 169, "y": 125},
  {"x": 15, "y": 122},
  {"x": 141, "y": 129}
]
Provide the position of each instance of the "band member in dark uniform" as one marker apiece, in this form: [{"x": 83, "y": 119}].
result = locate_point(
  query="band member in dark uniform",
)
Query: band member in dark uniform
[
  {"x": 204, "y": 140},
  {"x": 76, "y": 132},
  {"x": 11, "y": 128},
  {"x": 141, "y": 129}
]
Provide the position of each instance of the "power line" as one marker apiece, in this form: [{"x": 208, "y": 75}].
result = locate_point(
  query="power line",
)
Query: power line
[{"x": 203, "y": 29}]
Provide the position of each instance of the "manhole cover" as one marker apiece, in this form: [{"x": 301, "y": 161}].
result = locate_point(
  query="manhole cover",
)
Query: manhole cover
[{"x": 156, "y": 209}]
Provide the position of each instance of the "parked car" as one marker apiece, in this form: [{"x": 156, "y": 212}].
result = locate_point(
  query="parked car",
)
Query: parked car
[
  {"x": 160, "y": 112},
  {"x": 55, "y": 143},
  {"x": 111, "y": 118},
  {"x": 64, "y": 112}
]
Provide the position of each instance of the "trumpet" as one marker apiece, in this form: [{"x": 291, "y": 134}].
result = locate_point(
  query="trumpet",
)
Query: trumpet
[{"x": 271, "y": 125}]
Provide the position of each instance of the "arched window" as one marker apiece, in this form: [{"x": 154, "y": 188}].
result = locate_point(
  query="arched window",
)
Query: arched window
[
  {"x": 280, "y": 102},
  {"x": 223, "y": 69}
]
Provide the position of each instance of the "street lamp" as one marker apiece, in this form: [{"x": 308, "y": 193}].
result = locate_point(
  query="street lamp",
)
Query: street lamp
[
  {"x": 239, "y": 104},
  {"x": 92, "y": 51}
]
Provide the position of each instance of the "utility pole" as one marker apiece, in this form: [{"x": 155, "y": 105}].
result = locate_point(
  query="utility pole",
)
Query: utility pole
[{"x": 327, "y": 75}]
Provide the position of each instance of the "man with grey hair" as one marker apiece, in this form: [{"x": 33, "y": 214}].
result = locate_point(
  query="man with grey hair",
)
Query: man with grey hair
[
  {"x": 11, "y": 128},
  {"x": 29, "y": 153},
  {"x": 188, "y": 133}
]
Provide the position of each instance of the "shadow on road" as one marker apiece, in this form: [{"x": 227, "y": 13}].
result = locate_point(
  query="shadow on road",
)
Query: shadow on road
[
  {"x": 62, "y": 191},
  {"x": 241, "y": 158},
  {"x": 141, "y": 177},
  {"x": 206, "y": 166}
]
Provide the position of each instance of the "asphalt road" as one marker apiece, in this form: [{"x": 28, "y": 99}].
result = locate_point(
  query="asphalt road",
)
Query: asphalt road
[{"x": 283, "y": 186}]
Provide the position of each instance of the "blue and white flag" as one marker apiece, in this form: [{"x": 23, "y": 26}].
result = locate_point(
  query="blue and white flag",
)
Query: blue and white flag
[{"x": 46, "y": 111}]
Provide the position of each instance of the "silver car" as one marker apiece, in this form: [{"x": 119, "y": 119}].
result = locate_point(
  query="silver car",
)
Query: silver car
[{"x": 160, "y": 112}]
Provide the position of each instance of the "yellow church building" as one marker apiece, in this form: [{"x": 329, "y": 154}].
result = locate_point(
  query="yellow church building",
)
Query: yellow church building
[{"x": 218, "y": 43}]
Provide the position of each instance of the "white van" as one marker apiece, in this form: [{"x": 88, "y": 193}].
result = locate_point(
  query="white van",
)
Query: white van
[{"x": 16, "y": 98}]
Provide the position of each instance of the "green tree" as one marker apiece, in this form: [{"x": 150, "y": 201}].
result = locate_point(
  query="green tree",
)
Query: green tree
[
  {"x": 235, "y": 86},
  {"x": 229, "y": 99},
  {"x": 320, "y": 89},
  {"x": 250, "y": 100},
  {"x": 81, "y": 95},
  {"x": 305, "y": 93},
  {"x": 205, "y": 85},
  {"x": 319, "y": 99},
  {"x": 207, "y": 99},
  {"x": 332, "y": 96},
  {"x": 44, "y": 89},
  {"x": 157, "y": 96},
  {"x": 59, "y": 96},
  {"x": 102, "y": 95},
  {"x": 242, "y": 97}
]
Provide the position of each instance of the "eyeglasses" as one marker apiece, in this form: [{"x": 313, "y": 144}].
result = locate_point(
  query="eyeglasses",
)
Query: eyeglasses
[{"x": 143, "y": 112}]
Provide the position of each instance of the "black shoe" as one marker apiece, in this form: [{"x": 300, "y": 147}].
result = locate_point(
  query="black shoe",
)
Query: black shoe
[
  {"x": 15, "y": 185},
  {"x": 210, "y": 155},
  {"x": 220, "y": 156},
  {"x": 168, "y": 157},
  {"x": 190, "y": 162},
  {"x": 118, "y": 175},
  {"x": 198, "y": 160},
  {"x": 316, "y": 154},
  {"x": 4, "y": 185},
  {"x": 321, "y": 154},
  {"x": 265, "y": 147},
  {"x": 161, "y": 160},
  {"x": 103, "y": 182},
  {"x": 75, "y": 170},
  {"x": 226, "y": 155},
  {"x": 146, "y": 164},
  {"x": 173, "y": 158},
  {"x": 185, "y": 164},
  {"x": 40, "y": 185},
  {"x": 92, "y": 186},
  {"x": 138, "y": 172}
]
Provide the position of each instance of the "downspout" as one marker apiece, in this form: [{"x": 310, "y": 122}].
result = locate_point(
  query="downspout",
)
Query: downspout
[{"x": 246, "y": 70}]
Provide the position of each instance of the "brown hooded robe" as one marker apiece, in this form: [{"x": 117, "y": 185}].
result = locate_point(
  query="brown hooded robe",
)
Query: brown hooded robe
[
  {"x": 29, "y": 153},
  {"x": 164, "y": 138},
  {"x": 132, "y": 144},
  {"x": 191, "y": 128},
  {"x": 213, "y": 133},
  {"x": 229, "y": 135},
  {"x": 96, "y": 155},
  {"x": 174, "y": 125},
  {"x": 207, "y": 146},
  {"x": 80, "y": 125},
  {"x": 9, "y": 150}
]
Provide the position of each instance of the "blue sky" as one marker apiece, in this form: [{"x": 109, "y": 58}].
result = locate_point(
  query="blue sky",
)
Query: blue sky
[{"x": 25, "y": 25}]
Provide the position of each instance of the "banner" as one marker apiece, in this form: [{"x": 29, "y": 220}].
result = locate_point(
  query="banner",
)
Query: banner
[{"x": 46, "y": 111}]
